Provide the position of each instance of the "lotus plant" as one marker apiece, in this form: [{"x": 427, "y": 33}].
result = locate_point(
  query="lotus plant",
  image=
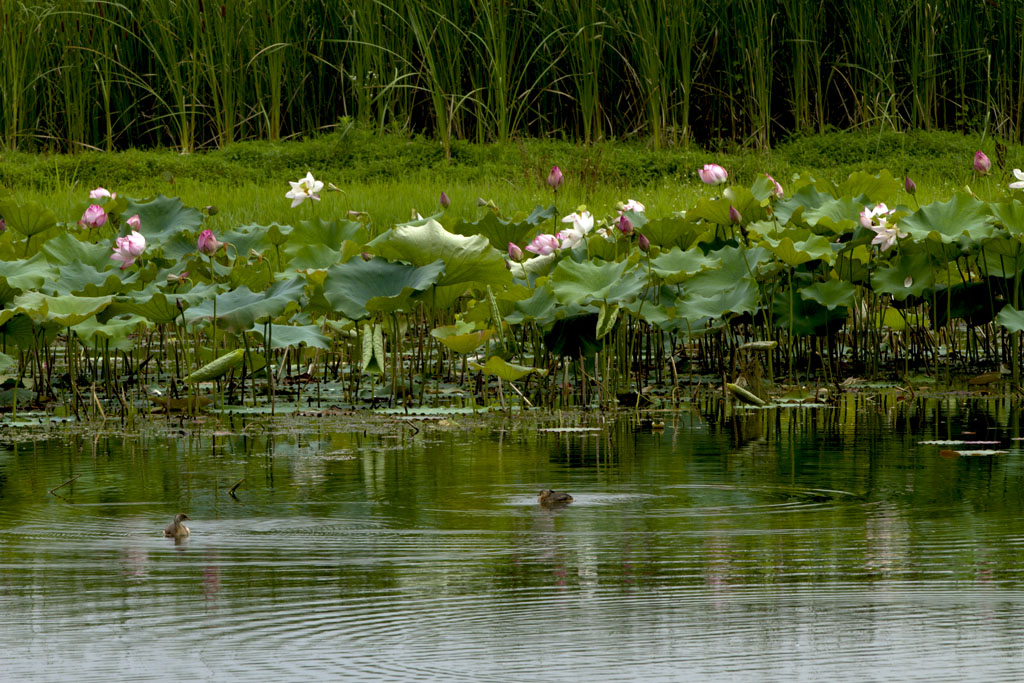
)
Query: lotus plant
[
  {"x": 582, "y": 223},
  {"x": 303, "y": 189},
  {"x": 94, "y": 217},
  {"x": 514, "y": 252},
  {"x": 982, "y": 164},
  {"x": 555, "y": 178},
  {"x": 776, "y": 187},
  {"x": 128, "y": 248},
  {"x": 102, "y": 193},
  {"x": 713, "y": 174},
  {"x": 633, "y": 205},
  {"x": 445, "y": 201},
  {"x": 877, "y": 220}
]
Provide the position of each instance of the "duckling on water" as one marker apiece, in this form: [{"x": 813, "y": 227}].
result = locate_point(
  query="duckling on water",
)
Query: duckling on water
[
  {"x": 549, "y": 497},
  {"x": 176, "y": 529}
]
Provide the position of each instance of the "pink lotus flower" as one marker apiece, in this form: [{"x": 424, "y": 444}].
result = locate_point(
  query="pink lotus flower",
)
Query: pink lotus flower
[
  {"x": 1019, "y": 175},
  {"x": 981, "y": 163},
  {"x": 543, "y": 244},
  {"x": 134, "y": 222},
  {"x": 713, "y": 174},
  {"x": 624, "y": 225},
  {"x": 101, "y": 193},
  {"x": 129, "y": 248},
  {"x": 886, "y": 236},
  {"x": 555, "y": 178},
  {"x": 207, "y": 244},
  {"x": 94, "y": 217},
  {"x": 777, "y": 188},
  {"x": 879, "y": 215},
  {"x": 633, "y": 205}
]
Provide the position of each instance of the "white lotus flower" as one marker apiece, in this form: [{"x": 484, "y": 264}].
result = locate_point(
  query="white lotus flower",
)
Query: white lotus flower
[
  {"x": 1019, "y": 185},
  {"x": 306, "y": 188}
]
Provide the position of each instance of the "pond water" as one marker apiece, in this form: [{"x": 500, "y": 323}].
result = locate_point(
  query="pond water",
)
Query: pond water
[{"x": 781, "y": 544}]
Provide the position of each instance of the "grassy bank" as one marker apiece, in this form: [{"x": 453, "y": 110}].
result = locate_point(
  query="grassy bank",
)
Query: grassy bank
[{"x": 389, "y": 177}]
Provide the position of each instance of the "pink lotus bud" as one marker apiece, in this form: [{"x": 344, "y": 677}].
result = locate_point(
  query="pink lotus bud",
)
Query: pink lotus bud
[
  {"x": 643, "y": 243},
  {"x": 134, "y": 222},
  {"x": 3, "y": 225},
  {"x": 555, "y": 178},
  {"x": 445, "y": 202},
  {"x": 909, "y": 185},
  {"x": 207, "y": 243},
  {"x": 734, "y": 215},
  {"x": 366, "y": 255},
  {"x": 981, "y": 163},
  {"x": 94, "y": 217},
  {"x": 713, "y": 174},
  {"x": 514, "y": 252},
  {"x": 624, "y": 225}
]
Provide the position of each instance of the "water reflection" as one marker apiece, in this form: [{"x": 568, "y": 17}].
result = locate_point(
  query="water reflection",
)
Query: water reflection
[{"x": 783, "y": 543}]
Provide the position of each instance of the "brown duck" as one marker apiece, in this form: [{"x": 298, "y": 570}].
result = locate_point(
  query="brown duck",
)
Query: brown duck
[
  {"x": 549, "y": 497},
  {"x": 176, "y": 529}
]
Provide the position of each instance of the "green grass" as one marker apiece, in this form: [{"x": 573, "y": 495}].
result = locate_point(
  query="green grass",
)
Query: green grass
[{"x": 389, "y": 177}]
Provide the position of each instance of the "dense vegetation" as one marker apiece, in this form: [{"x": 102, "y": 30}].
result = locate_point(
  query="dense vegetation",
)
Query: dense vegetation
[{"x": 79, "y": 74}]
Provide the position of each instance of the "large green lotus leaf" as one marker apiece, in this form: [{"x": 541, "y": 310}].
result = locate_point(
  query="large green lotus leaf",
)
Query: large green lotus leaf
[
  {"x": 237, "y": 310},
  {"x": 763, "y": 189},
  {"x": 534, "y": 268},
  {"x": 1011, "y": 318},
  {"x": 717, "y": 210},
  {"x": 83, "y": 279},
  {"x": 28, "y": 219},
  {"x": 248, "y": 238},
  {"x": 830, "y": 294},
  {"x": 806, "y": 198},
  {"x": 500, "y": 232},
  {"x": 805, "y": 317},
  {"x": 257, "y": 277},
  {"x": 177, "y": 247},
  {"x": 540, "y": 306},
  {"x": 794, "y": 253},
  {"x": 470, "y": 260},
  {"x": 661, "y": 314},
  {"x": 1001, "y": 256},
  {"x": 321, "y": 234},
  {"x": 163, "y": 217},
  {"x": 67, "y": 249},
  {"x": 876, "y": 189},
  {"x": 510, "y": 372},
  {"x": 736, "y": 264},
  {"x": 156, "y": 307},
  {"x": 116, "y": 332},
  {"x": 741, "y": 297},
  {"x": 28, "y": 274},
  {"x": 892, "y": 278},
  {"x": 961, "y": 217},
  {"x": 835, "y": 216},
  {"x": 349, "y": 286},
  {"x": 283, "y": 336},
  {"x": 310, "y": 257},
  {"x": 580, "y": 283},
  {"x": 674, "y": 231},
  {"x": 1009, "y": 215},
  {"x": 597, "y": 247},
  {"x": 65, "y": 310}
]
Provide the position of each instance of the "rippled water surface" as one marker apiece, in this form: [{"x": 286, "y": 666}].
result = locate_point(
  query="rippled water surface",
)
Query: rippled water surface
[{"x": 786, "y": 544}]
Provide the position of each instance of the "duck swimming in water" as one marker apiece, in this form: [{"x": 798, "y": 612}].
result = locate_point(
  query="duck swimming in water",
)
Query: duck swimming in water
[
  {"x": 549, "y": 497},
  {"x": 176, "y": 529}
]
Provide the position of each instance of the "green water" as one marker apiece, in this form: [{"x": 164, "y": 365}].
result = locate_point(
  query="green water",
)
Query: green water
[{"x": 784, "y": 544}]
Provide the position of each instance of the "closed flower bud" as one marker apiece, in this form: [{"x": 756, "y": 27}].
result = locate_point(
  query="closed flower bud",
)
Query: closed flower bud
[
  {"x": 624, "y": 225},
  {"x": 734, "y": 215},
  {"x": 909, "y": 185},
  {"x": 555, "y": 178},
  {"x": 445, "y": 202},
  {"x": 514, "y": 252},
  {"x": 643, "y": 243},
  {"x": 981, "y": 163}
]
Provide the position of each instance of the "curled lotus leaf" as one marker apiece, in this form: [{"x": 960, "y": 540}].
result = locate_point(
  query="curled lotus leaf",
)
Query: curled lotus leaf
[
  {"x": 794, "y": 253},
  {"x": 1011, "y": 319},
  {"x": 510, "y": 372},
  {"x": 500, "y": 232},
  {"x": 878, "y": 188},
  {"x": 467, "y": 260},
  {"x": 27, "y": 219},
  {"x": 237, "y": 310},
  {"x": 116, "y": 332},
  {"x": 581, "y": 283},
  {"x": 65, "y": 249},
  {"x": 284, "y": 336},
  {"x": 64, "y": 311},
  {"x": 674, "y": 231},
  {"x": 830, "y": 294}
]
